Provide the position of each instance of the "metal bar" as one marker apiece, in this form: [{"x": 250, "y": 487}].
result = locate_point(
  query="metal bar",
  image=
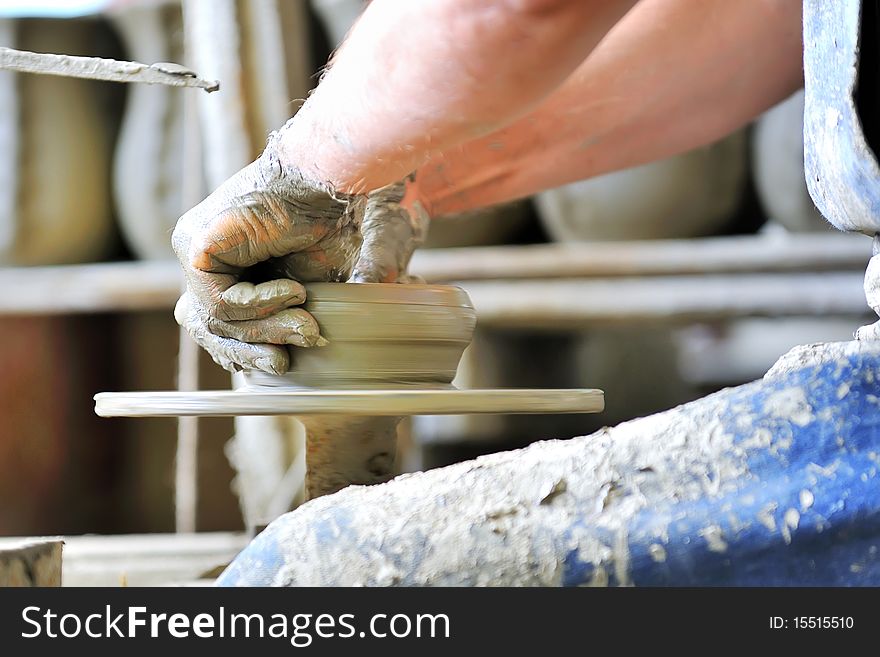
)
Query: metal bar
[{"x": 98, "y": 68}]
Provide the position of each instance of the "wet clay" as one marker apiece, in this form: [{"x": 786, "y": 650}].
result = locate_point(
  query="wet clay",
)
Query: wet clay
[
  {"x": 345, "y": 449},
  {"x": 380, "y": 336}
]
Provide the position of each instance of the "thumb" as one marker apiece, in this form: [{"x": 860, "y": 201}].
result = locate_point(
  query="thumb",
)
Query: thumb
[{"x": 391, "y": 232}]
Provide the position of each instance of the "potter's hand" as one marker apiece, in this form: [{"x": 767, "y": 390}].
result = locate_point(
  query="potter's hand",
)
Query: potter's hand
[
  {"x": 394, "y": 225},
  {"x": 263, "y": 212},
  {"x": 268, "y": 221}
]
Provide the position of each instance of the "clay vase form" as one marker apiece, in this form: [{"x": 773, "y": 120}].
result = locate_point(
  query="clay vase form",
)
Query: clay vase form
[
  {"x": 689, "y": 195},
  {"x": 381, "y": 336},
  {"x": 778, "y": 164},
  {"x": 54, "y": 154}
]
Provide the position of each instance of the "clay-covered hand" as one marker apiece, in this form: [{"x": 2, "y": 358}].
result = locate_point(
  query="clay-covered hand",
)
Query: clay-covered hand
[
  {"x": 248, "y": 247},
  {"x": 395, "y": 224}
]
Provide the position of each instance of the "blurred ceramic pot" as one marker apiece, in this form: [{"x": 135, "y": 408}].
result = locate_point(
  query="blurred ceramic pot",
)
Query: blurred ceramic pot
[
  {"x": 55, "y": 145},
  {"x": 484, "y": 227},
  {"x": 778, "y": 164},
  {"x": 689, "y": 195}
]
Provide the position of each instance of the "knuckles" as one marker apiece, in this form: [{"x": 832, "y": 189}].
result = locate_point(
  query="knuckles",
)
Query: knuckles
[
  {"x": 180, "y": 238},
  {"x": 192, "y": 246}
]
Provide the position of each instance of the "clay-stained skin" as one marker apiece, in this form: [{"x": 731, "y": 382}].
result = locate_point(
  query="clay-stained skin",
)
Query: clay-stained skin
[
  {"x": 270, "y": 220},
  {"x": 392, "y": 230},
  {"x": 262, "y": 212}
]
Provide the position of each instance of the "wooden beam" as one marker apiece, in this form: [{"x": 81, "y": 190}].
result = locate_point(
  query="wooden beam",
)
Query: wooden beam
[
  {"x": 580, "y": 303},
  {"x": 714, "y": 255},
  {"x": 105, "y": 287},
  {"x": 728, "y": 261},
  {"x": 143, "y": 559},
  {"x": 30, "y": 562}
]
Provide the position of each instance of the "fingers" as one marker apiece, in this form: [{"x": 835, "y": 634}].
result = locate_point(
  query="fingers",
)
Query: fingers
[
  {"x": 251, "y": 218},
  {"x": 243, "y": 345},
  {"x": 217, "y": 287},
  {"x": 391, "y": 232},
  {"x": 254, "y": 227},
  {"x": 263, "y": 215},
  {"x": 225, "y": 299},
  {"x": 244, "y": 301},
  {"x": 236, "y": 356},
  {"x": 249, "y": 344},
  {"x": 230, "y": 354},
  {"x": 293, "y": 326},
  {"x": 329, "y": 260}
]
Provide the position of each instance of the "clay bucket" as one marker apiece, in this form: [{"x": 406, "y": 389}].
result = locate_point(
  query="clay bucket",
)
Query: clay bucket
[{"x": 381, "y": 336}]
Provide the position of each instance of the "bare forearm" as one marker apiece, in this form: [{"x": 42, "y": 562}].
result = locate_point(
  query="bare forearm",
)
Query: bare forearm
[
  {"x": 671, "y": 76},
  {"x": 414, "y": 78}
]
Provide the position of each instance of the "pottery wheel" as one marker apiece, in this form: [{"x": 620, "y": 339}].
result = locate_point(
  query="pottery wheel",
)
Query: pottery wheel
[
  {"x": 392, "y": 350},
  {"x": 374, "y": 403}
]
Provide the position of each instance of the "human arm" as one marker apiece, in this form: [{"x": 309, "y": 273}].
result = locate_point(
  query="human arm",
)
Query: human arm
[
  {"x": 412, "y": 78},
  {"x": 671, "y": 76},
  {"x": 415, "y": 78}
]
